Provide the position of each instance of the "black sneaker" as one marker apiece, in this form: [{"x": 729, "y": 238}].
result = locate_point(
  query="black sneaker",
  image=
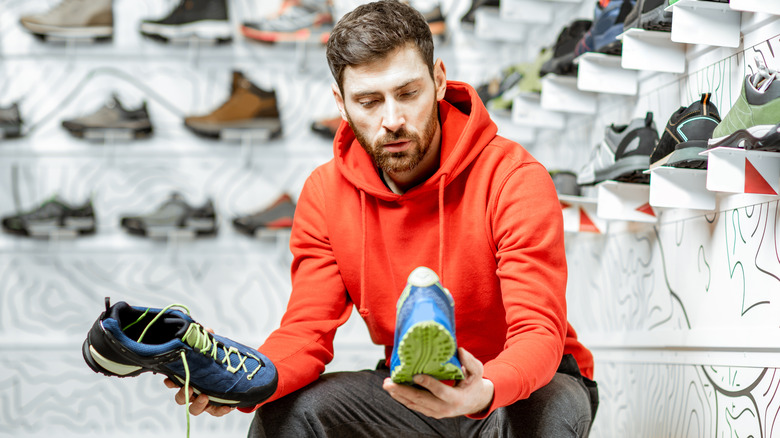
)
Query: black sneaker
[
  {"x": 686, "y": 135},
  {"x": 467, "y": 20},
  {"x": 10, "y": 122},
  {"x": 278, "y": 215},
  {"x": 649, "y": 15},
  {"x": 562, "y": 62},
  {"x": 112, "y": 120},
  {"x": 53, "y": 217},
  {"x": 174, "y": 216},
  {"x": 201, "y": 19},
  {"x": 126, "y": 341}
]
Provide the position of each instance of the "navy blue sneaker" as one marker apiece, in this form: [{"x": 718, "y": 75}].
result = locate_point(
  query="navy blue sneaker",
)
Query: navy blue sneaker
[
  {"x": 126, "y": 341},
  {"x": 425, "y": 331},
  {"x": 608, "y": 19}
]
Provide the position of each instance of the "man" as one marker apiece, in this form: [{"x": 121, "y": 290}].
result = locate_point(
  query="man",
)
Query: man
[{"x": 420, "y": 178}]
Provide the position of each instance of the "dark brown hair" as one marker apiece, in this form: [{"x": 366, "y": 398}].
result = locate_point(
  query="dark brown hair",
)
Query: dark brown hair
[{"x": 373, "y": 30}]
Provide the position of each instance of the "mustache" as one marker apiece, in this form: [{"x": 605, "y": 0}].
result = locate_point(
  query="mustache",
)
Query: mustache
[{"x": 394, "y": 136}]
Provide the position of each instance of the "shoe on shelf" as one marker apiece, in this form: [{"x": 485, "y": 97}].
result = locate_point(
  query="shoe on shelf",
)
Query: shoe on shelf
[
  {"x": 126, "y": 341},
  {"x": 649, "y": 15},
  {"x": 425, "y": 340},
  {"x": 327, "y": 127},
  {"x": 529, "y": 83},
  {"x": 10, "y": 121},
  {"x": 112, "y": 119},
  {"x": 73, "y": 19},
  {"x": 507, "y": 79},
  {"x": 201, "y": 19},
  {"x": 174, "y": 215},
  {"x": 435, "y": 19},
  {"x": 623, "y": 155},
  {"x": 467, "y": 20},
  {"x": 686, "y": 135},
  {"x": 562, "y": 61},
  {"x": 757, "y": 107},
  {"x": 54, "y": 217},
  {"x": 279, "y": 215},
  {"x": 249, "y": 108},
  {"x": 297, "y": 20},
  {"x": 608, "y": 19},
  {"x": 755, "y": 138},
  {"x": 565, "y": 182}
]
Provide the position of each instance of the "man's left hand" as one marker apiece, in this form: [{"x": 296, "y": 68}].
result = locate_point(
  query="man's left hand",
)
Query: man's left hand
[{"x": 471, "y": 395}]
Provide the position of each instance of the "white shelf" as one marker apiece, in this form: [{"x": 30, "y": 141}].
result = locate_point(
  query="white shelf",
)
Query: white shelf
[
  {"x": 680, "y": 188},
  {"x": 528, "y": 11},
  {"x": 737, "y": 170},
  {"x": 560, "y": 93},
  {"x": 625, "y": 202},
  {"x": 579, "y": 215},
  {"x": 488, "y": 24},
  {"x": 524, "y": 135},
  {"x": 765, "y": 6},
  {"x": 705, "y": 22},
  {"x": 527, "y": 111},
  {"x": 604, "y": 74},
  {"x": 650, "y": 50}
]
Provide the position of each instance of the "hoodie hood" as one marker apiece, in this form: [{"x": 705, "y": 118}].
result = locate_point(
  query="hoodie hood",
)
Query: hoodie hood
[{"x": 466, "y": 130}]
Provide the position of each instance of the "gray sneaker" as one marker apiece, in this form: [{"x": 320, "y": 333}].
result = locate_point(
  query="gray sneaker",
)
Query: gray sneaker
[
  {"x": 73, "y": 19},
  {"x": 10, "y": 122},
  {"x": 174, "y": 215},
  {"x": 111, "y": 120}
]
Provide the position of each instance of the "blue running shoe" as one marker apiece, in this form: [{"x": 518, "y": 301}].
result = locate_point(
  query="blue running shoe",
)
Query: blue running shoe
[
  {"x": 608, "y": 19},
  {"x": 126, "y": 341},
  {"x": 425, "y": 331}
]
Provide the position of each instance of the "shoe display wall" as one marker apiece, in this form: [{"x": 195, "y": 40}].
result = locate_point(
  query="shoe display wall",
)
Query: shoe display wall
[{"x": 200, "y": 139}]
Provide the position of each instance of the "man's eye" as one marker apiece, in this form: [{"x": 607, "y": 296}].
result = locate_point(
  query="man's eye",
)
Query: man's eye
[
  {"x": 409, "y": 94},
  {"x": 367, "y": 103}
]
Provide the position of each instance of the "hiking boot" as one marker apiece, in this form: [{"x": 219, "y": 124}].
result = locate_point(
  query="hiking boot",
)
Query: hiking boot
[
  {"x": 467, "y": 20},
  {"x": 112, "y": 119},
  {"x": 686, "y": 135},
  {"x": 249, "y": 108},
  {"x": 88, "y": 19},
  {"x": 649, "y": 15},
  {"x": 327, "y": 127},
  {"x": 623, "y": 155},
  {"x": 126, "y": 341},
  {"x": 10, "y": 121},
  {"x": 562, "y": 62},
  {"x": 758, "y": 105},
  {"x": 297, "y": 20},
  {"x": 202, "y": 19},
  {"x": 755, "y": 138},
  {"x": 278, "y": 215},
  {"x": 425, "y": 331},
  {"x": 53, "y": 217},
  {"x": 174, "y": 216}
]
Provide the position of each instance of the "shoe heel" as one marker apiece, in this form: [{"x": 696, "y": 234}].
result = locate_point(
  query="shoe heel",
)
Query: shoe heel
[{"x": 94, "y": 359}]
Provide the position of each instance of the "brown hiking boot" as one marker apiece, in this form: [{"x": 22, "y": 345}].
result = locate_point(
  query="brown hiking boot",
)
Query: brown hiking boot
[
  {"x": 249, "y": 108},
  {"x": 73, "y": 19}
]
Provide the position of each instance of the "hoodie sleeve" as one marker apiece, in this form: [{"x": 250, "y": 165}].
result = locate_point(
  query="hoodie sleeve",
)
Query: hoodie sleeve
[
  {"x": 527, "y": 228},
  {"x": 303, "y": 344}
]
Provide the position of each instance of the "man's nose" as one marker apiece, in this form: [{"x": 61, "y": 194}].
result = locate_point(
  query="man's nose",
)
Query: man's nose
[{"x": 393, "y": 117}]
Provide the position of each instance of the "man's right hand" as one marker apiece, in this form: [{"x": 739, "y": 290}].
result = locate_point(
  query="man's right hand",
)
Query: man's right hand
[{"x": 200, "y": 404}]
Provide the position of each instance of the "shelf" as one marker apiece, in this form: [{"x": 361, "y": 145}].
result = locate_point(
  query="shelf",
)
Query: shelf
[
  {"x": 604, "y": 74},
  {"x": 527, "y": 111},
  {"x": 764, "y": 6},
  {"x": 489, "y": 25},
  {"x": 560, "y": 93},
  {"x": 737, "y": 170},
  {"x": 704, "y": 22},
  {"x": 650, "y": 50},
  {"x": 528, "y": 11},
  {"x": 680, "y": 188},
  {"x": 579, "y": 215},
  {"x": 625, "y": 201},
  {"x": 524, "y": 135}
]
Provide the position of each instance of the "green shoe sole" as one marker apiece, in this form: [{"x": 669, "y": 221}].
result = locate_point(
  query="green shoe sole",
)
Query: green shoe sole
[{"x": 426, "y": 348}]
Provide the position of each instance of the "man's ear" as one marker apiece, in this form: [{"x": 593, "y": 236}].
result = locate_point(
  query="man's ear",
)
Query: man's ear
[
  {"x": 440, "y": 78},
  {"x": 339, "y": 100}
]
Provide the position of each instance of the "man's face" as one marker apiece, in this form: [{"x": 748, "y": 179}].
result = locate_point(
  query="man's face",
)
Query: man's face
[{"x": 392, "y": 107}]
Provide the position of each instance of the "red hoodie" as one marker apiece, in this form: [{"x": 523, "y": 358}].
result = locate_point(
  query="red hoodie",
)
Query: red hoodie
[{"x": 488, "y": 222}]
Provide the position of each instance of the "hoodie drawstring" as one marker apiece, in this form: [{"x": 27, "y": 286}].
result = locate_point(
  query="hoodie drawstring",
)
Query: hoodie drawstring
[
  {"x": 363, "y": 310},
  {"x": 441, "y": 229}
]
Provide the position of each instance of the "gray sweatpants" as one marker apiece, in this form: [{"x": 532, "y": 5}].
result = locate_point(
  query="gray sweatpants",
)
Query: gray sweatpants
[{"x": 353, "y": 404}]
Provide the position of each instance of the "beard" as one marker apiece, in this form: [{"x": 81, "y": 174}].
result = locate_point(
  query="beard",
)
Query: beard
[{"x": 398, "y": 162}]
